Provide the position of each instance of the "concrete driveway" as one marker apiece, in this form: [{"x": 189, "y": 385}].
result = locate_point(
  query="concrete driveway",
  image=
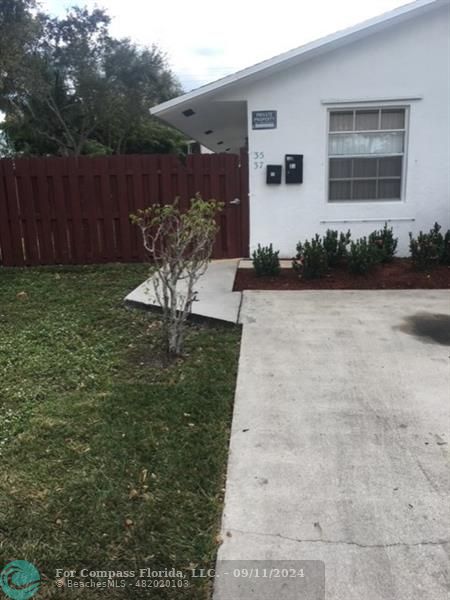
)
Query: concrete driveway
[{"x": 339, "y": 446}]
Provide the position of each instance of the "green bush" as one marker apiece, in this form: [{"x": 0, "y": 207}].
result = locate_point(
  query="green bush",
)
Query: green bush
[
  {"x": 266, "y": 261},
  {"x": 363, "y": 256},
  {"x": 385, "y": 243},
  {"x": 312, "y": 259},
  {"x": 335, "y": 245},
  {"x": 428, "y": 249}
]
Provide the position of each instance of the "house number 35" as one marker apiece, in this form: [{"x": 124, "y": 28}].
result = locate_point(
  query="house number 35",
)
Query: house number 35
[{"x": 258, "y": 160}]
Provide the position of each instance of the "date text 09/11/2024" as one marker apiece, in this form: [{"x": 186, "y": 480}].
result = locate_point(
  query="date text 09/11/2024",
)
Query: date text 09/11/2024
[{"x": 192, "y": 573}]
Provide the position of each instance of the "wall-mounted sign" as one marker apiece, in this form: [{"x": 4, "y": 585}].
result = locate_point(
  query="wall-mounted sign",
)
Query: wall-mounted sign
[{"x": 264, "y": 119}]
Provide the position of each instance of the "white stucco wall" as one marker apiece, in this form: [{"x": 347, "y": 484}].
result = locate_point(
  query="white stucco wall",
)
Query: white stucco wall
[{"x": 407, "y": 61}]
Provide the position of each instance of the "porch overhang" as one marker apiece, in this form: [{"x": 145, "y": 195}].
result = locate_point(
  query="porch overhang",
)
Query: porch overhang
[{"x": 220, "y": 126}]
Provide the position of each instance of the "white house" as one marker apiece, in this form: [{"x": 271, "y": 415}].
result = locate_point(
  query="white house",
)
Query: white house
[{"x": 358, "y": 123}]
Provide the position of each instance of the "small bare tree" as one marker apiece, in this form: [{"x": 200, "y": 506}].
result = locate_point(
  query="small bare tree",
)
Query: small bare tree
[{"x": 179, "y": 245}]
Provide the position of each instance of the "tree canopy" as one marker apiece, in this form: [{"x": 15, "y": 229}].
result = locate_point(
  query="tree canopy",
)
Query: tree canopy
[
  {"x": 74, "y": 89},
  {"x": 18, "y": 30}
]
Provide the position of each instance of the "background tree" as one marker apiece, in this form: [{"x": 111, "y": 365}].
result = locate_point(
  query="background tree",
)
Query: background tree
[
  {"x": 80, "y": 91},
  {"x": 137, "y": 79},
  {"x": 18, "y": 31}
]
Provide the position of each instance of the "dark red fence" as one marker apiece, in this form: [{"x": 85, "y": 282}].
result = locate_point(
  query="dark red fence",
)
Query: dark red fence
[{"x": 76, "y": 210}]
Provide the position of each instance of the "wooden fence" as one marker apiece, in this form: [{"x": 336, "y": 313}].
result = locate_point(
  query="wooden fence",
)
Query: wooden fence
[{"x": 76, "y": 210}]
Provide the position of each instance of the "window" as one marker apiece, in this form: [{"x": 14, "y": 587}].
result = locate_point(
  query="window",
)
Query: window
[{"x": 366, "y": 150}]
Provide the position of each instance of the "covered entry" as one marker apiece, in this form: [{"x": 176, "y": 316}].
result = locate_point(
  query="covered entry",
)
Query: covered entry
[{"x": 221, "y": 127}]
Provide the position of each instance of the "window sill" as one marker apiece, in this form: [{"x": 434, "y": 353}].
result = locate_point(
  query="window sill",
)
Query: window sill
[
  {"x": 369, "y": 220},
  {"x": 365, "y": 201}
]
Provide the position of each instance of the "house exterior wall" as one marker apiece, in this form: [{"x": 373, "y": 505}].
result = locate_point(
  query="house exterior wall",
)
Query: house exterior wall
[{"x": 407, "y": 65}]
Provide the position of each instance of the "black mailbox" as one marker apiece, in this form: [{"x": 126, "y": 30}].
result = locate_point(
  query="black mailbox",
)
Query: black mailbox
[
  {"x": 273, "y": 174},
  {"x": 294, "y": 168}
]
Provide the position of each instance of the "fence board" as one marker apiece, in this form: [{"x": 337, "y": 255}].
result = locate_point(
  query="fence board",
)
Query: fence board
[
  {"x": 78, "y": 250},
  {"x": 123, "y": 231},
  {"x": 38, "y": 172},
  {"x": 107, "y": 208},
  {"x": 76, "y": 210},
  {"x": 10, "y": 187},
  {"x": 245, "y": 202},
  {"x": 92, "y": 240},
  {"x": 27, "y": 213},
  {"x": 57, "y": 167},
  {"x": 6, "y": 247}
]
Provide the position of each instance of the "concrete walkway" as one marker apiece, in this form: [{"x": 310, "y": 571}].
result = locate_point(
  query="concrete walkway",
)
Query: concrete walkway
[
  {"x": 215, "y": 300},
  {"x": 339, "y": 444}
]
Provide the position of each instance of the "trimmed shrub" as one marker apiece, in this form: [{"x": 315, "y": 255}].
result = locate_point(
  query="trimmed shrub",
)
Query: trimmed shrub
[
  {"x": 265, "y": 261},
  {"x": 428, "y": 249},
  {"x": 385, "y": 243},
  {"x": 363, "y": 256},
  {"x": 312, "y": 259},
  {"x": 335, "y": 245}
]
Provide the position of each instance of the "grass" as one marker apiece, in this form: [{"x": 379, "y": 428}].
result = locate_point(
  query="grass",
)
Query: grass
[{"x": 108, "y": 457}]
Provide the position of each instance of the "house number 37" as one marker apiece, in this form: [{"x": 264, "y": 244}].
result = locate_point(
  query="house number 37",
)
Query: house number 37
[{"x": 258, "y": 160}]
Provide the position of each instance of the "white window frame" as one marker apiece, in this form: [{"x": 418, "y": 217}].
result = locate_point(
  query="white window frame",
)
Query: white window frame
[{"x": 368, "y": 106}]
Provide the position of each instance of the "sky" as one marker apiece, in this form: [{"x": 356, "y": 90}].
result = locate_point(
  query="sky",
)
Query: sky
[{"x": 206, "y": 39}]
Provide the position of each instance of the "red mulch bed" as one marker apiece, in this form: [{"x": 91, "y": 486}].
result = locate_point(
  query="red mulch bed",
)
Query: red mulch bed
[{"x": 397, "y": 275}]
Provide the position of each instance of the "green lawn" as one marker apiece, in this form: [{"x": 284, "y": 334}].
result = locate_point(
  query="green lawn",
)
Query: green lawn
[{"x": 109, "y": 458}]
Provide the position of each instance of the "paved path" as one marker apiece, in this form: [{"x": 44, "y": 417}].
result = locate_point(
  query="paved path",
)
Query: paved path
[
  {"x": 215, "y": 298},
  {"x": 339, "y": 442}
]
